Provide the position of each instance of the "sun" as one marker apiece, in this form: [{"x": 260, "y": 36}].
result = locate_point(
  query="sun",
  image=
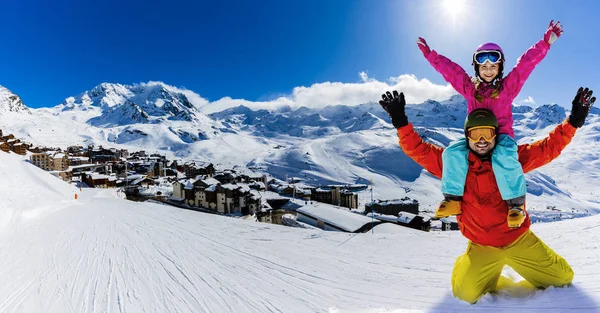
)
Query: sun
[{"x": 454, "y": 7}]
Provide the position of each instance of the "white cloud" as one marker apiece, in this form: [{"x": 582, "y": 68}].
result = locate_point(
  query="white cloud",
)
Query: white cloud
[
  {"x": 194, "y": 98},
  {"x": 363, "y": 76},
  {"x": 528, "y": 101},
  {"x": 333, "y": 93}
]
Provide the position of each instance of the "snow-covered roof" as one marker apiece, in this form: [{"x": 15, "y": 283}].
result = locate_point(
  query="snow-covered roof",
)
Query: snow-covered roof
[
  {"x": 405, "y": 217},
  {"x": 402, "y": 201},
  {"x": 99, "y": 176},
  {"x": 450, "y": 219},
  {"x": 79, "y": 158},
  {"x": 255, "y": 195},
  {"x": 230, "y": 186},
  {"x": 211, "y": 188},
  {"x": 244, "y": 187},
  {"x": 131, "y": 177},
  {"x": 189, "y": 184},
  {"x": 259, "y": 184},
  {"x": 210, "y": 181},
  {"x": 139, "y": 180},
  {"x": 59, "y": 155},
  {"x": 340, "y": 218}
]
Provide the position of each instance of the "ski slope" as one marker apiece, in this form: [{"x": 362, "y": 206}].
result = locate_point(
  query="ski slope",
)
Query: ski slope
[{"x": 100, "y": 253}]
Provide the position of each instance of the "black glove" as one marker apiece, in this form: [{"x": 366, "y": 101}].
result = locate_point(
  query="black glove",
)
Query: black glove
[
  {"x": 394, "y": 106},
  {"x": 581, "y": 107}
]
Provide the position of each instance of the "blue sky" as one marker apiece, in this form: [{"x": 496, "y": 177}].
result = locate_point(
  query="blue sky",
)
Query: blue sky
[{"x": 260, "y": 50}]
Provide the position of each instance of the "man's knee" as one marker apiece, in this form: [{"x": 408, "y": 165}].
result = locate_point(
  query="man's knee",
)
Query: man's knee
[
  {"x": 565, "y": 276},
  {"x": 469, "y": 294}
]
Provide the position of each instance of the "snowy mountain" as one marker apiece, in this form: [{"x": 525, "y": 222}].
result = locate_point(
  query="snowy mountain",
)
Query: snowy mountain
[
  {"x": 334, "y": 144},
  {"x": 100, "y": 253},
  {"x": 10, "y": 102}
]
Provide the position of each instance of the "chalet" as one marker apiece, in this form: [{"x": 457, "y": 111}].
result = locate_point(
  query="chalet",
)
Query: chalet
[
  {"x": 405, "y": 219},
  {"x": 37, "y": 149},
  {"x": 229, "y": 198},
  {"x": 226, "y": 177},
  {"x": 143, "y": 181},
  {"x": 195, "y": 168},
  {"x": 8, "y": 137},
  {"x": 393, "y": 207},
  {"x": 5, "y": 147},
  {"x": 75, "y": 150},
  {"x": 257, "y": 185},
  {"x": 449, "y": 223},
  {"x": 20, "y": 148},
  {"x": 101, "y": 155},
  {"x": 78, "y": 160},
  {"x": 96, "y": 180}
]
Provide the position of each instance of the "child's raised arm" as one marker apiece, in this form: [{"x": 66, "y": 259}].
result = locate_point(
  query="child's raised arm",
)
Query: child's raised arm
[
  {"x": 452, "y": 72},
  {"x": 533, "y": 56}
]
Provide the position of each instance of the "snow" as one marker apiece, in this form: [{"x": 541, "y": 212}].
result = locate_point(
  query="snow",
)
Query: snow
[
  {"x": 103, "y": 254},
  {"x": 100, "y": 253}
]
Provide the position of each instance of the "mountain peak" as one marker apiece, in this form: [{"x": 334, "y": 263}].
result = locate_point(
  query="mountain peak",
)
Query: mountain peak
[{"x": 10, "y": 102}]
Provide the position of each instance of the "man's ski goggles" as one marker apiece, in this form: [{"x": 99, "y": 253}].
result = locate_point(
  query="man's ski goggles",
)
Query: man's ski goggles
[
  {"x": 488, "y": 133},
  {"x": 493, "y": 56}
]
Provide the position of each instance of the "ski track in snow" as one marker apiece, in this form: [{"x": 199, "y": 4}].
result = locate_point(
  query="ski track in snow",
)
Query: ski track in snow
[{"x": 104, "y": 254}]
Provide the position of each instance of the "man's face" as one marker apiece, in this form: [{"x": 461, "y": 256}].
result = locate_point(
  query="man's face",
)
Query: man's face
[{"x": 482, "y": 147}]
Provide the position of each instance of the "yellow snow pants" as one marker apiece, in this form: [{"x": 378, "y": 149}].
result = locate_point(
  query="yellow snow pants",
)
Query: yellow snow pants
[{"x": 478, "y": 270}]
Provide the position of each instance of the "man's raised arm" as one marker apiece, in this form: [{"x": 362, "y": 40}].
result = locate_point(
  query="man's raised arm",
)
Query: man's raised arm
[
  {"x": 539, "y": 153},
  {"x": 427, "y": 155}
]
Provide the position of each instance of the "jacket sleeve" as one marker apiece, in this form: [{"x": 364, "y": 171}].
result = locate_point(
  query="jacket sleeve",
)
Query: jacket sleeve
[
  {"x": 425, "y": 154},
  {"x": 452, "y": 73},
  {"x": 515, "y": 80},
  {"x": 539, "y": 153}
]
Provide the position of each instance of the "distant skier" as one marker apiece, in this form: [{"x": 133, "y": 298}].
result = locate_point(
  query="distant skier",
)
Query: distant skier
[
  {"x": 483, "y": 218},
  {"x": 490, "y": 90}
]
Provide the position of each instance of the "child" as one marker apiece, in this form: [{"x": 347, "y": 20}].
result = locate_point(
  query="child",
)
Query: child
[{"x": 490, "y": 90}]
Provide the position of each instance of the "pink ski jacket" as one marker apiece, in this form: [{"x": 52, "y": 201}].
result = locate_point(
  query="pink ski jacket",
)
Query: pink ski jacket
[{"x": 511, "y": 84}]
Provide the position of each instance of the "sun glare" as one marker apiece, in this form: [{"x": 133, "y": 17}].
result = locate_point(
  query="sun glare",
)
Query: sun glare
[{"x": 454, "y": 7}]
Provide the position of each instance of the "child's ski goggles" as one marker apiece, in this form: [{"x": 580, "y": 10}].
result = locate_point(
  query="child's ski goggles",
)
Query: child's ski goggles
[
  {"x": 493, "y": 56},
  {"x": 488, "y": 133}
]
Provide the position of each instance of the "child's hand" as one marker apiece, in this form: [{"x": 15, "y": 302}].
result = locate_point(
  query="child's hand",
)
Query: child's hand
[
  {"x": 423, "y": 46},
  {"x": 553, "y": 32}
]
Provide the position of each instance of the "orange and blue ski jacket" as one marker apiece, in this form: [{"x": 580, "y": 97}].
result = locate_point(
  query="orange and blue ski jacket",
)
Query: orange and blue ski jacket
[{"x": 483, "y": 218}]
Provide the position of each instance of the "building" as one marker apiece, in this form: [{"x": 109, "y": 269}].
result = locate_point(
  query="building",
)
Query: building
[
  {"x": 5, "y": 147},
  {"x": 195, "y": 168},
  {"x": 75, "y": 150},
  {"x": 405, "y": 219},
  {"x": 393, "y": 207},
  {"x": 328, "y": 217},
  {"x": 20, "y": 148},
  {"x": 449, "y": 223},
  {"x": 61, "y": 162},
  {"x": 43, "y": 160},
  {"x": 96, "y": 180},
  {"x": 348, "y": 199}
]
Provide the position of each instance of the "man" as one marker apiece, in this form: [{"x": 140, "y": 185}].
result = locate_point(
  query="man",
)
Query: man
[{"x": 483, "y": 220}]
